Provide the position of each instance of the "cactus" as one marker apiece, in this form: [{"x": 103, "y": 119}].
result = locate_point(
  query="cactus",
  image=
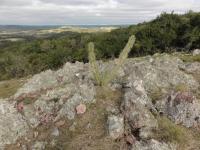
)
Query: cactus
[
  {"x": 103, "y": 79},
  {"x": 93, "y": 63}
]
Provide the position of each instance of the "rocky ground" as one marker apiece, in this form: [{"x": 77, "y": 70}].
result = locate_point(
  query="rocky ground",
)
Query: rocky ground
[{"x": 153, "y": 104}]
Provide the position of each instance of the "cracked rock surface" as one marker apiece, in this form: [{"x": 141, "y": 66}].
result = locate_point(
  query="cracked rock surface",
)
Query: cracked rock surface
[{"x": 48, "y": 101}]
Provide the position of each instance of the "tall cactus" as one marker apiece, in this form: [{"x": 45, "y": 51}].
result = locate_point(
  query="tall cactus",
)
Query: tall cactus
[
  {"x": 110, "y": 75},
  {"x": 104, "y": 78},
  {"x": 93, "y": 63}
]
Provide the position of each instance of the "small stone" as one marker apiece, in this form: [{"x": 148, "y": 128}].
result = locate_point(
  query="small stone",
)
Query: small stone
[
  {"x": 89, "y": 126},
  {"x": 81, "y": 109},
  {"x": 55, "y": 132},
  {"x": 60, "y": 123},
  {"x": 20, "y": 106},
  {"x": 35, "y": 134},
  {"x": 18, "y": 144},
  {"x": 77, "y": 74},
  {"x": 130, "y": 139}
]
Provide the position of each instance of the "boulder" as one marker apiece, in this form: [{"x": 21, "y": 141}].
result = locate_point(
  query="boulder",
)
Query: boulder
[
  {"x": 196, "y": 52},
  {"x": 115, "y": 126},
  {"x": 80, "y": 109},
  {"x": 12, "y": 124},
  {"x": 137, "y": 106},
  {"x": 182, "y": 108},
  {"x": 159, "y": 71}
]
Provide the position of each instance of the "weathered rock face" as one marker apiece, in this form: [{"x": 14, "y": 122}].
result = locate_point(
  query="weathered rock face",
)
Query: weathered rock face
[
  {"x": 196, "y": 52},
  {"x": 116, "y": 126},
  {"x": 153, "y": 145},
  {"x": 52, "y": 97},
  {"x": 192, "y": 68},
  {"x": 50, "y": 79},
  {"x": 159, "y": 72},
  {"x": 12, "y": 124},
  {"x": 139, "y": 119},
  {"x": 44, "y": 99},
  {"x": 181, "y": 107}
]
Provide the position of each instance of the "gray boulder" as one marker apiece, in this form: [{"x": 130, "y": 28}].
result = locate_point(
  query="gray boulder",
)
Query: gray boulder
[
  {"x": 159, "y": 71},
  {"x": 137, "y": 106},
  {"x": 115, "y": 126},
  {"x": 51, "y": 79}
]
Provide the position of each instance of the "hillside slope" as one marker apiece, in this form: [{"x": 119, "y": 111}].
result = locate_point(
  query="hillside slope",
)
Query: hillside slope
[{"x": 166, "y": 33}]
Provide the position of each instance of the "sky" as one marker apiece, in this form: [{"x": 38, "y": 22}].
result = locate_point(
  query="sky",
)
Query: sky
[{"x": 79, "y": 12}]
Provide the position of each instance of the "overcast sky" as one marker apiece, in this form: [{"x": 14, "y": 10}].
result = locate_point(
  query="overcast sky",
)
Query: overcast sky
[{"x": 55, "y": 12}]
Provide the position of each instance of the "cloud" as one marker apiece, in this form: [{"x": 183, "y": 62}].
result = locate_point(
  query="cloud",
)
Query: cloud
[
  {"x": 11, "y": 3},
  {"x": 88, "y": 11}
]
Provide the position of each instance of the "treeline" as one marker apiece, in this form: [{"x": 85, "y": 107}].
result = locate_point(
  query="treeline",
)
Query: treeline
[{"x": 167, "y": 33}]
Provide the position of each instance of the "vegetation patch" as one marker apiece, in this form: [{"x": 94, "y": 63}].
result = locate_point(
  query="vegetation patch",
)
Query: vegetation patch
[
  {"x": 189, "y": 58},
  {"x": 181, "y": 88},
  {"x": 10, "y": 87},
  {"x": 167, "y": 33},
  {"x": 156, "y": 95},
  {"x": 183, "y": 137},
  {"x": 169, "y": 132}
]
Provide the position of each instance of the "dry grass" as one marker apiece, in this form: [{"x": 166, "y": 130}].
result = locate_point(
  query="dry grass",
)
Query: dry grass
[
  {"x": 169, "y": 132},
  {"x": 156, "y": 95},
  {"x": 8, "y": 88},
  {"x": 187, "y": 57},
  {"x": 186, "y": 139},
  {"x": 77, "y": 29},
  {"x": 181, "y": 88}
]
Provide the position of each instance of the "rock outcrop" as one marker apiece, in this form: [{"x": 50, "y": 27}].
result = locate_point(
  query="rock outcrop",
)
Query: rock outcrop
[
  {"x": 181, "y": 107},
  {"x": 12, "y": 124},
  {"x": 50, "y": 98}
]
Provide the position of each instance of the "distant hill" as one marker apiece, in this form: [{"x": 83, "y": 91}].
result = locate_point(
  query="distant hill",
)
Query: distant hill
[{"x": 51, "y": 48}]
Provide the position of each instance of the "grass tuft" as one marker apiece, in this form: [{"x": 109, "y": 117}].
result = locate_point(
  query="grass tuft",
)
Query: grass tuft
[
  {"x": 189, "y": 58},
  {"x": 170, "y": 132},
  {"x": 10, "y": 87},
  {"x": 181, "y": 88}
]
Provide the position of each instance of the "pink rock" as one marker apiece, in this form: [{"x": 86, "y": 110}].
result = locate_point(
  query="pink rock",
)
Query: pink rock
[
  {"x": 80, "y": 109},
  {"x": 20, "y": 106}
]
